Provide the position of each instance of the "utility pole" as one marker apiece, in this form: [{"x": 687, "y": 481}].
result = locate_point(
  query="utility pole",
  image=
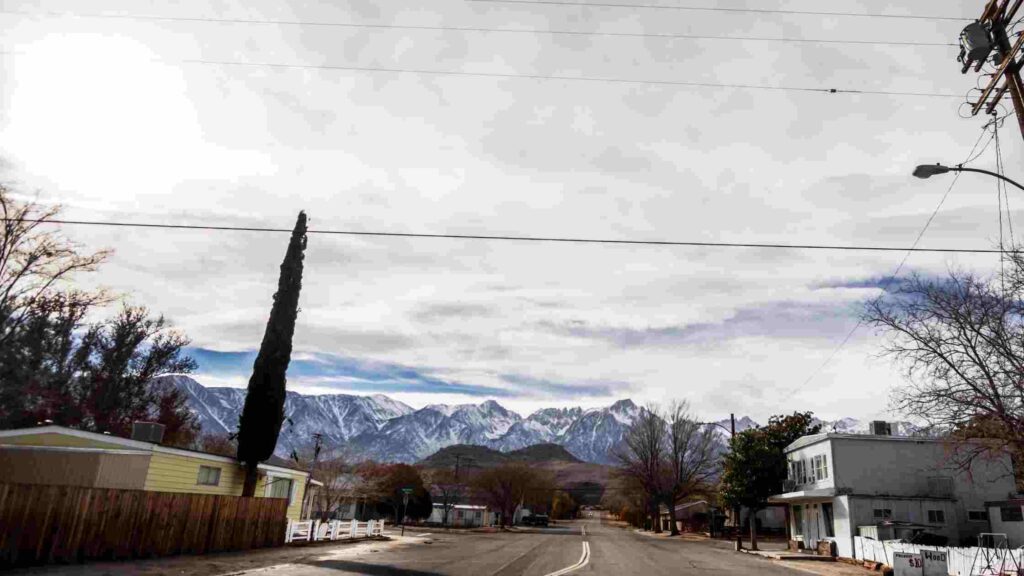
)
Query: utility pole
[
  {"x": 318, "y": 442},
  {"x": 738, "y": 510},
  {"x": 989, "y": 36}
]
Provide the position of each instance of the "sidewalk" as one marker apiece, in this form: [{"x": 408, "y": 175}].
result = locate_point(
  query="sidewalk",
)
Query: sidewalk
[{"x": 223, "y": 564}]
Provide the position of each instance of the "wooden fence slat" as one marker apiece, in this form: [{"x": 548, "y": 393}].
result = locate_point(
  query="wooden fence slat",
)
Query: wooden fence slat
[{"x": 46, "y": 524}]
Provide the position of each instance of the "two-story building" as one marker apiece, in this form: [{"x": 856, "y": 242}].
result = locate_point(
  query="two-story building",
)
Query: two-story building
[{"x": 845, "y": 485}]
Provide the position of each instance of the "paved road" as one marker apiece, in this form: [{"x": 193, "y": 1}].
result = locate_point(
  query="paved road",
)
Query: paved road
[{"x": 613, "y": 552}]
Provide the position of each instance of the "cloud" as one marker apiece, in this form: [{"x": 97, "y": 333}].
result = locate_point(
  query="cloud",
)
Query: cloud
[{"x": 341, "y": 374}]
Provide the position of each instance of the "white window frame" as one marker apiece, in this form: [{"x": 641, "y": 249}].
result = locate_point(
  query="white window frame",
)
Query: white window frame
[
  {"x": 820, "y": 467},
  {"x": 271, "y": 478},
  {"x": 215, "y": 470}
]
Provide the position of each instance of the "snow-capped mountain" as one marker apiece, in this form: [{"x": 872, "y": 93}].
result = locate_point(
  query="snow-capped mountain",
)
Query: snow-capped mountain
[
  {"x": 544, "y": 426},
  {"x": 380, "y": 428},
  {"x": 339, "y": 417}
]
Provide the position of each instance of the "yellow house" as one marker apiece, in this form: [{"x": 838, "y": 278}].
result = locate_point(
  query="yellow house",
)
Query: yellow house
[{"x": 57, "y": 455}]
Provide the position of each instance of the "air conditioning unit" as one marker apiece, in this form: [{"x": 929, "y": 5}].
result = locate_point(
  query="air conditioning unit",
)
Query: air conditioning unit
[
  {"x": 148, "y": 432},
  {"x": 881, "y": 428}
]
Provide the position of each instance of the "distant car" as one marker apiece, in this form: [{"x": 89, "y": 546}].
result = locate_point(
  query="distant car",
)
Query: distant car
[{"x": 535, "y": 520}]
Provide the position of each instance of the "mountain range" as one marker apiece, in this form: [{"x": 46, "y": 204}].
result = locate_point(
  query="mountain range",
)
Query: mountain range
[{"x": 380, "y": 428}]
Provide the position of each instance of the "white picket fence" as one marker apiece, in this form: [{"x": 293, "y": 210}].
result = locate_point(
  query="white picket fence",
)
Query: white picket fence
[
  {"x": 962, "y": 561},
  {"x": 317, "y": 531}
]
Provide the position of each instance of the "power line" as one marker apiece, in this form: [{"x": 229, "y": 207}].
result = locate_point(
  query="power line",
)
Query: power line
[
  {"x": 511, "y": 238},
  {"x": 913, "y": 248},
  {"x": 719, "y": 9},
  {"x": 476, "y": 29},
  {"x": 595, "y": 79}
]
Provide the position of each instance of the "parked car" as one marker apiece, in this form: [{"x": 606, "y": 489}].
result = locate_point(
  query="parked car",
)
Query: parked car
[{"x": 535, "y": 520}]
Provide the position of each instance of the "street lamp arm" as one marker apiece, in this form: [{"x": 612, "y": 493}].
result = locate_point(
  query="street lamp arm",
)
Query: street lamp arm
[{"x": 990, "y": 173}]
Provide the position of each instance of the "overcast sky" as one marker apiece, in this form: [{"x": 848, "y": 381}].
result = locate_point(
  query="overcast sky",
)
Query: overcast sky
[{"x": 145, "y": 120}]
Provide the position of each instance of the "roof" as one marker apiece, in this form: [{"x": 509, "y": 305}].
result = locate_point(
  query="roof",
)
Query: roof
[
  {"x": 810, "y": 439},
  {"x": 137, "y": 446},
  {"x": 1009, "y": 502}
]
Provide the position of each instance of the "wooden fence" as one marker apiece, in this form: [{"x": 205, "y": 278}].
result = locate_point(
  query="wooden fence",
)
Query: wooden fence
[{"x": 45, "y": 524}]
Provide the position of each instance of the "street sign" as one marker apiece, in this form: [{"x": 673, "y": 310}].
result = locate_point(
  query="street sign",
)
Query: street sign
[
  {"x": 406, "y": 490},
  {"x": 935, "y": 563},
  {"x": 905, "y": 564}
]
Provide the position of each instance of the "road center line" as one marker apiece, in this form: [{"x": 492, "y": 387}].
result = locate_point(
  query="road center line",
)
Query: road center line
[{"x": 584, "y": 559}]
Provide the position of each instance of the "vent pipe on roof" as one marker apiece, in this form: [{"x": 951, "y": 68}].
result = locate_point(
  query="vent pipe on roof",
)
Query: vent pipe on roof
[{"x": 148, "y": 432}]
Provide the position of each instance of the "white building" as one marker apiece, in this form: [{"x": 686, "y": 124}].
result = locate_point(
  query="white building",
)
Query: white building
[
  {"x": 463, "y": 515},
  {"x": 891, "y": 486},
  {"x": 1007, "y": 517}
]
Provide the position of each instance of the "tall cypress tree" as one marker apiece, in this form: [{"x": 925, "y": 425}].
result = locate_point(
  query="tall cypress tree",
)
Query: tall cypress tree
[{"x": 263, "y": 413}]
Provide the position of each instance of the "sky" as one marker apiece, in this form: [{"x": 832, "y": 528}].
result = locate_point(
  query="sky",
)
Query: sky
[{"x": 243, "y": 113}]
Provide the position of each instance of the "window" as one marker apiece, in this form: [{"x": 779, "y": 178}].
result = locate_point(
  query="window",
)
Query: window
[
  {"x": 208, "y": 476},
  {"x": 936, "y": 516},
  {"x": 826, "y": 516},
  {"x": 1011, "y": 514},
  {"x": 977, "y": 515},
  {"x": 279, "y": 488},
  {"x": 882, "y": 514},
  {"x": 798, "y": 520},
  {"x": 820, "y": 467}
]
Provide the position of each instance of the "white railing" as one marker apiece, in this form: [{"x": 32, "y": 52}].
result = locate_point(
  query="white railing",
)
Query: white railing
[
  {"x": 961, "y": 561},
  {"x": 299, "y": 531},
  {"x": 317, "y": 531}
]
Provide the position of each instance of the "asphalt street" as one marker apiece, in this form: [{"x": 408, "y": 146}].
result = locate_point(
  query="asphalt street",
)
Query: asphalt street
[{"x": 613, "y": 551}]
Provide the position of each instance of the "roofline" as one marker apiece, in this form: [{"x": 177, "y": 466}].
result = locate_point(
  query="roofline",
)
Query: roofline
[
  {"x": 54, "y": 429},
  {"x": 77, "y": 449},
  {"x": 136, "y": 444},
  {"x": 805, "y": 441}
]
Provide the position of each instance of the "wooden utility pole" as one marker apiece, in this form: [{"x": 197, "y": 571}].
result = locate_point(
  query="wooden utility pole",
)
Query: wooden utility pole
[{"x": 989, "y": 36}]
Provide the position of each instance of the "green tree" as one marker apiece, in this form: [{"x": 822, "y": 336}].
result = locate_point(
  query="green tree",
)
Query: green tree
[
  {"x": 755, "y": 466},
  {"x": 263, "y": 412},
  {"x": 390, "y": 482}
]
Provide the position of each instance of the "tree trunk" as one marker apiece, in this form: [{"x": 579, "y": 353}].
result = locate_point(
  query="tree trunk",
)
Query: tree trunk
[
  {"x": 656, "y": 517},
  {"x": 674, "y": 529},
  {"x": 753, "y": 529},
  {"x": 249, "y": 487}
]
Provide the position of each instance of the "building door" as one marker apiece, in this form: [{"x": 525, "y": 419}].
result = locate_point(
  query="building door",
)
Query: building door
[{"x": 814, "y": 521}]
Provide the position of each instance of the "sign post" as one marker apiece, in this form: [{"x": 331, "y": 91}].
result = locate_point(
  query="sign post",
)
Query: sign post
[{"x": 405, "y": 505}]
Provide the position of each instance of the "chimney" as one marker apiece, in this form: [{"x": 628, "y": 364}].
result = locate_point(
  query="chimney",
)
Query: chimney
[
  {"x": 881, "y": 428},
  {"x": 148, "y": 432}
]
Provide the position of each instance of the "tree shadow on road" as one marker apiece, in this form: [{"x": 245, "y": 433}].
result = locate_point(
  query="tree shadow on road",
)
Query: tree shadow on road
[{"x": 368, "y": 569}]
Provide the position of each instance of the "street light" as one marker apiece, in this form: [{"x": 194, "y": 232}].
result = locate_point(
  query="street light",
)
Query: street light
[{"x": 928, "y": 170}]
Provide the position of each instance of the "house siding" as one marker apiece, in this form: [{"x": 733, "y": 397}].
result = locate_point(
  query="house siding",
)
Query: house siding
[
  {"x": 90, "y": 469},
  {"x": 179, "y": 473}
]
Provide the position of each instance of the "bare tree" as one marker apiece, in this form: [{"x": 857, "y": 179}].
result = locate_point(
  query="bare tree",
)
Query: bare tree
[
  {"x": 642, "y": 457},
  {"x": 338, "y": 481},
  {"x": 35, "y": 261},
  {"x": 960, "y": 340},
  {"x": 505, "y": 487},
  {"x": 446, "y": 485},
  {"x": 692, "y": 461}
]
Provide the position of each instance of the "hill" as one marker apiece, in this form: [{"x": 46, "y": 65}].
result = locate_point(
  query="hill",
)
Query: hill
[{"x": 484, "y": 457}]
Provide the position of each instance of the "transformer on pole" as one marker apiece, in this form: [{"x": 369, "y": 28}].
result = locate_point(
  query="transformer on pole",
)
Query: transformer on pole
[{"x": 987, "y": 39}]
